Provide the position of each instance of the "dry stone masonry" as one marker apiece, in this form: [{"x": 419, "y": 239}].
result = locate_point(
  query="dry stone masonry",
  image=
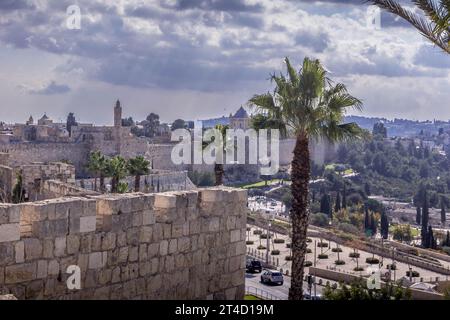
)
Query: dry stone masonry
[{"x": 175, "y": 245}]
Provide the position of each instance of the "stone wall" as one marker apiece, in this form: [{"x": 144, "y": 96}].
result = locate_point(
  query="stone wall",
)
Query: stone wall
[
  {"x": 178, "y": 245},
  {"x": 25, "y": 153},
  {"x": 51, "y": 189}
]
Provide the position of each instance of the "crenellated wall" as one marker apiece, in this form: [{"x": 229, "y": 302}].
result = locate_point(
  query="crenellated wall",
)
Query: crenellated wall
[{"x": 186, "y": 245}]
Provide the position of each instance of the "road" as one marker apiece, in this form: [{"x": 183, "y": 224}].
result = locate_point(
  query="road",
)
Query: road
[{"x": 280, "y": 292}]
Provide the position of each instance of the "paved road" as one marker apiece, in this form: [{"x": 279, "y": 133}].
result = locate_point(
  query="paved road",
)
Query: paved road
[{"x": 280, "y": 292}]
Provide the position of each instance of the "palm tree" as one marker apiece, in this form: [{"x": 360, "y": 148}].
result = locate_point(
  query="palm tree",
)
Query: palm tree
[
  {"x": 218, "y": 167},
  {"x": 138, "y": 167},
  {"x": 117, "y": 169},
  {"x": 433, "y": 24},
  {"x": 96, "y": 166},
  {"x": 311, "y": 107}
]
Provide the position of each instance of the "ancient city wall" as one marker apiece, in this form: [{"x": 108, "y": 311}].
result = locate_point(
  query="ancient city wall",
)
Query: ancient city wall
[
  {"x": 188, "y": 245},
  {"x": 51, "y": 189},
  {"x": 25, "y": 153}
]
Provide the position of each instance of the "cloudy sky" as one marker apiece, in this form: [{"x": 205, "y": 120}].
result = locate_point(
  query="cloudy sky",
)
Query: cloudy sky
[{"x": 195, "y": 59}]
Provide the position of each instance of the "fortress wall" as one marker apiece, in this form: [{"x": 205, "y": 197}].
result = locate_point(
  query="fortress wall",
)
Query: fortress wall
[
  {"x": 52, "y": 189},
  {"x": 26, "y": 153},
  {"x": 185, "y": 245}
]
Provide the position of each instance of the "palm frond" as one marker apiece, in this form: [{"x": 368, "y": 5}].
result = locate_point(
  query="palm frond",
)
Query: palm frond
[{"x": 433, "y": 29}]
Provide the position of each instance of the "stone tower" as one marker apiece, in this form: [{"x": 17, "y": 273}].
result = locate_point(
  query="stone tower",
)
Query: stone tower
[{"x": 117, "y": 115}]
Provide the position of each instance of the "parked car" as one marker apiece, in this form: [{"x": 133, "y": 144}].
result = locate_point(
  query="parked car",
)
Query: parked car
[
  {"x": 253, "y": 266},
  {"x": 307, "y": 296},
  {"x": 272, "y": 277}
]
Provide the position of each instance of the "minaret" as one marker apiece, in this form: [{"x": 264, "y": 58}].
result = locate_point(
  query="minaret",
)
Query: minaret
[{"x": 117, "y": 115}]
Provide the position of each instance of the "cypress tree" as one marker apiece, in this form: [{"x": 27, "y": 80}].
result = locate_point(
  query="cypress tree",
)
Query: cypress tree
[
  {"x": 424, "y": 231},
  {"x": 373, "y": 224},
  {"x": 418, "y": 215},
  {"x": 443, "y": 214},
  {"x": 447, "y": 240},
  {"x": 367, "y": 189},
  {"x": 384, "y": 225},
  {"x": 325, "y": 206},
  {"x": 344, "y": 197},
  {"x": 337, "y": 205},
  {"x": 366, "y": 218}
]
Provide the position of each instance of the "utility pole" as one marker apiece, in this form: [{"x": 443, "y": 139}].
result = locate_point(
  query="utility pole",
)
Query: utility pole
[
  {"x": 315, "y": 246},
  {"x": 268, "y": 241}
]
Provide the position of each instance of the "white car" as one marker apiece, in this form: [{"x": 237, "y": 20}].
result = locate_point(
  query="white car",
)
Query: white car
[{"x": 272, "y": 277}]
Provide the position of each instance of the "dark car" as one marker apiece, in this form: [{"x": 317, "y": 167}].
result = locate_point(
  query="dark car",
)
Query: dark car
[{"x": 253, "y": 266}]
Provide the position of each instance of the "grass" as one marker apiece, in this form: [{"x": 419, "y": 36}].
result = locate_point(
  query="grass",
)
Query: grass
[
  {"x": 251, "y": 297},
  {"x": 260, "y": 184}
]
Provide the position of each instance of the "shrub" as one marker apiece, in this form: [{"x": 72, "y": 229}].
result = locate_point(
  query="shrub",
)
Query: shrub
[
  {"x": 308, "y": 264},
  {"x": 336, "y": 250},
  {"x": 354, "y": 255},
  {"x": 358, "y": 269},
  {"x": 275, "y": 252},
  {"x": 371, "y": 260},
  {"x": 288, "y": 245},
  {"x": 257, "y": 231},
  {"x": 250, "y": 242},
  {"x": 348, "y": 228},
  {"x": 446, "y": 250},
  {"x": 322, "y": 245},
  {"x": 261, "y": 247},
  {"x": 278, "y": 240},
  {"x": 308, "y": 250},
  {"x": 319, "y": 219},
  {"x": 248, "y": 228},
  {"x": 288, "y": 258},
  {"x": 322, "y": 256},
  {"x": 339, "y": 262},
  {"x": 391, "y": 267},
  {"x": 415, "y": 274},
  {"x": 309, "y": 240}
]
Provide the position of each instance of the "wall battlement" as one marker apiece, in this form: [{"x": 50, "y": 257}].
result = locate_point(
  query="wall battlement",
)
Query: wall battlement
[{"x": 187, "y": 245}]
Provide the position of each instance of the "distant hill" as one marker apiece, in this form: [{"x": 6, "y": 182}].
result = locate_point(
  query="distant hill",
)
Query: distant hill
[{"x": 210, "y": 123}]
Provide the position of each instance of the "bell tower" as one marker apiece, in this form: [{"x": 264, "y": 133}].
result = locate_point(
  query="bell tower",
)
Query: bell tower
[{"x": 117, "y": 114}]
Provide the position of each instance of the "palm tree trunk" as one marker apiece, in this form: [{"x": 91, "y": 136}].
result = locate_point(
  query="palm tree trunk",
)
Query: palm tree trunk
[
  {"x": 95, "y": 183},
  {"x": 137, "y": 183},
  {"x": 299, "y": 213},
  {"x": 218, "y": 171},
  {"x": 102, "y": 183}
]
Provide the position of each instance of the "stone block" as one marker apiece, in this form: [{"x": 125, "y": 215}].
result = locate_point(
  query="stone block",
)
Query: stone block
[
  {"x": 163, "y": 247},
  {"x": 88, "y": 224},
  {"x": 42, "y": 269},
  {"x": 133, "y": 255},
  {"x": 145, "y": 234},
  {"x": 60, "y": 246},
  {"x": 184, "y": 244},
  {"x": 98, "y": 260},
  {"x": 211, "y": 195},
  {"x": 235, "y": 235},
  {"x": 33, "y": 249},
  {"x": 173, "y": 246},
  {"x": 165, "y": 201},
  {"x": 20, "y": 273},
  {"x": 108, "y": 241},
  {"x": 9, "y": 232},
  {"x": 14, "y": 214},
  {"x": 148, "y": 217},
  {"x": 73, "y": 244},
  {"x": 48, "y": 246},
  {"x": 53, "y": 268},
  {"x": 153, "y": 250},
  {"x": 19, "y": 250}
]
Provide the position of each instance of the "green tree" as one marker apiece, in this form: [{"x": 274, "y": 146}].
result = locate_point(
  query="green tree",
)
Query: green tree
[
  {"x": 384, "y": 225},
  {"x": 97, "y": 166},
  {"x": 418, "y": 215},
  {"x": 138, "y": 167},
  {"x": 117, "y": 169},
  {"x": 178, "y": 124},
  {"x": 379, "y": 130},
  {"x": 325, "y": 205},
  {"x": 433, "y": 22},
  {"x": 71, "y": 122},
  {"x": 218, "y": 166},
  {"x": 311, "y": 106},
  {"x": 337, "y": 205},
  {"x": 443, "y": 213},
  {"x": 18, "y": 192},
  {"x": 424, "y": 231}
]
